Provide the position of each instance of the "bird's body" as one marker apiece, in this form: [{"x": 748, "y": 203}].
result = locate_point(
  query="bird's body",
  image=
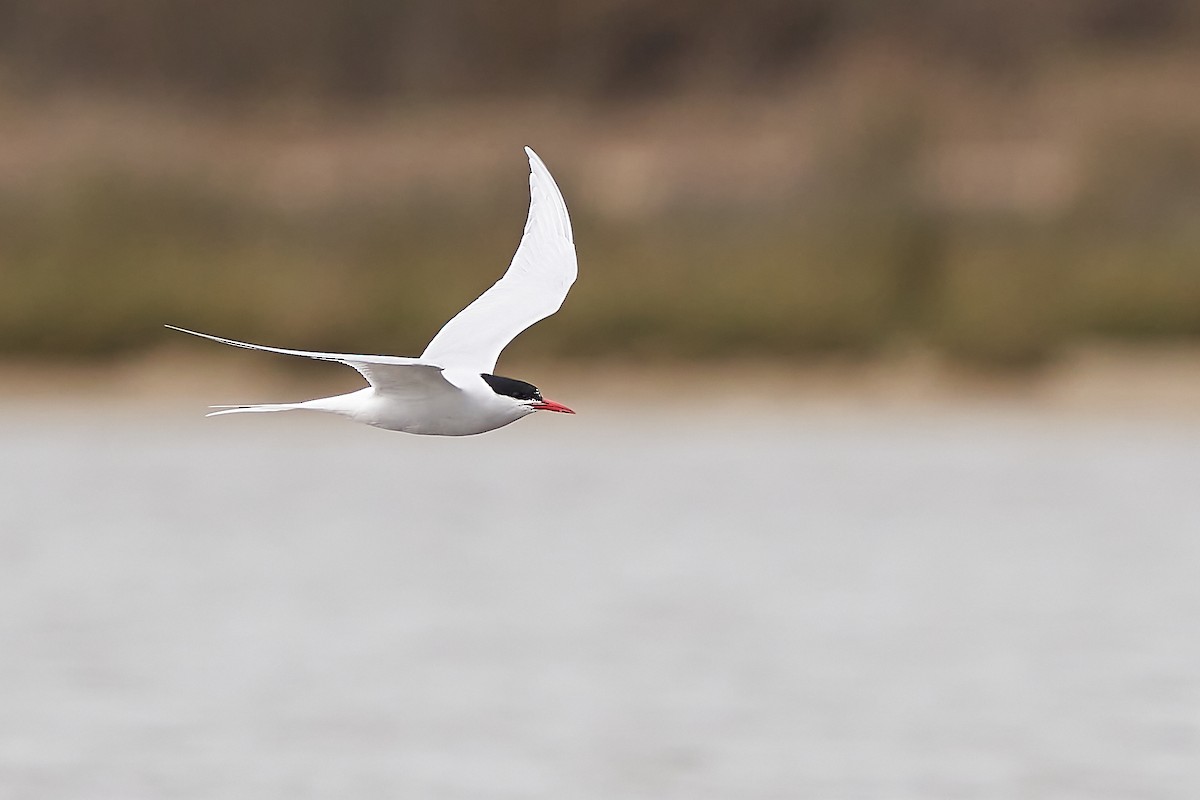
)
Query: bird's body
[{"x": 449, "y": 390}]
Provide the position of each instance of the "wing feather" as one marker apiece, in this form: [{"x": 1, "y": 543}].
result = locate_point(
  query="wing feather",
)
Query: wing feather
[
  {"x": 395, "y": 374},
  {"x": 534, "y": 286}
]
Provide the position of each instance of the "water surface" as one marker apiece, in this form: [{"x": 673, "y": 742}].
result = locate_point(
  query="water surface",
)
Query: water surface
[{"x": 901, "y": 604}]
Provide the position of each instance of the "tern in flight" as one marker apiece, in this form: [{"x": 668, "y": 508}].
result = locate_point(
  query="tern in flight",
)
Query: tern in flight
[{"x": 450, "y": 389}]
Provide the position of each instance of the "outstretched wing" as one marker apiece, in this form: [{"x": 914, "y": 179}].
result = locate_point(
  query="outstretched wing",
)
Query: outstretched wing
[
  {"x": 393, "y": 374},
  {"x": 533, "y": 288}
]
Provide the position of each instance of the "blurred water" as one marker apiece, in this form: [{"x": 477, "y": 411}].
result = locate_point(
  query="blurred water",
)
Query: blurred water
[{"x": 850, "y": 605}]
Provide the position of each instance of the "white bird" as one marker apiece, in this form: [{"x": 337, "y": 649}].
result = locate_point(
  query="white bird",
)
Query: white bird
[{"x": 450, "y": 390}]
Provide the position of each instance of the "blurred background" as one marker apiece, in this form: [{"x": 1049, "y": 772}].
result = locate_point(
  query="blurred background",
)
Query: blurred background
[
  {"x": 991, "y": 180},
  {"x": 885, "y": 348}
]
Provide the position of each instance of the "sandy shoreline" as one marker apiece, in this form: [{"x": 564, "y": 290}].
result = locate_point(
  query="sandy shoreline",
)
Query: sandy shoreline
[{"x": 1108, "y": 380}]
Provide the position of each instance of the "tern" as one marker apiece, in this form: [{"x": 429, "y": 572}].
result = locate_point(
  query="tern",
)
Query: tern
[{"x": 450, "y": 389}]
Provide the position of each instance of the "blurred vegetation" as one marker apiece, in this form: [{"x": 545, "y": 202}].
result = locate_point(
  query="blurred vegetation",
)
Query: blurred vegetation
[
  {"x": 846, "y": 226},
  {"x": 356, "y": 50}
]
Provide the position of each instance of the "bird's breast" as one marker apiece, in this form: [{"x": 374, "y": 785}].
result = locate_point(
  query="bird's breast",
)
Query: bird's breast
[{"x": 458, "y": 415}]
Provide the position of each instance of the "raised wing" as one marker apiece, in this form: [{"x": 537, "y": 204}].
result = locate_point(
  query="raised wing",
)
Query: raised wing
[
  {"x": 393, "y": 374},
  {"x": 533, "y": 288}
]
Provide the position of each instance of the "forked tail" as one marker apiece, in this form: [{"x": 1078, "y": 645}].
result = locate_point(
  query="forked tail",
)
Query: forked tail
[
  {"x": 344, "y": 404},
  {"x": 256, "y": 408}
]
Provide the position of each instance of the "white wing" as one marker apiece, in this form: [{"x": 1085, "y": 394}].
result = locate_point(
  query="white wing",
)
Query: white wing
[
  {"x": 533, "y": 288},
  {"x": 393, "y": 374}
]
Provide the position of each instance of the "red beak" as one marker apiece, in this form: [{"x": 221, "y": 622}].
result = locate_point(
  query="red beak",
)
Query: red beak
[{"x": 550, "y": 405}]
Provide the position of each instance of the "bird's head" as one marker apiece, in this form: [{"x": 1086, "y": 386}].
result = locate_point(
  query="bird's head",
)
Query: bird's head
[{"x": 526, "y": 394}]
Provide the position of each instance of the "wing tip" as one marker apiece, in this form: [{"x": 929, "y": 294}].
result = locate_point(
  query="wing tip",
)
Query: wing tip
[
  {"x": 542, "y": 182},
  {"x": 535, "y": 161},
  {"x": 189, "y": 332}
]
